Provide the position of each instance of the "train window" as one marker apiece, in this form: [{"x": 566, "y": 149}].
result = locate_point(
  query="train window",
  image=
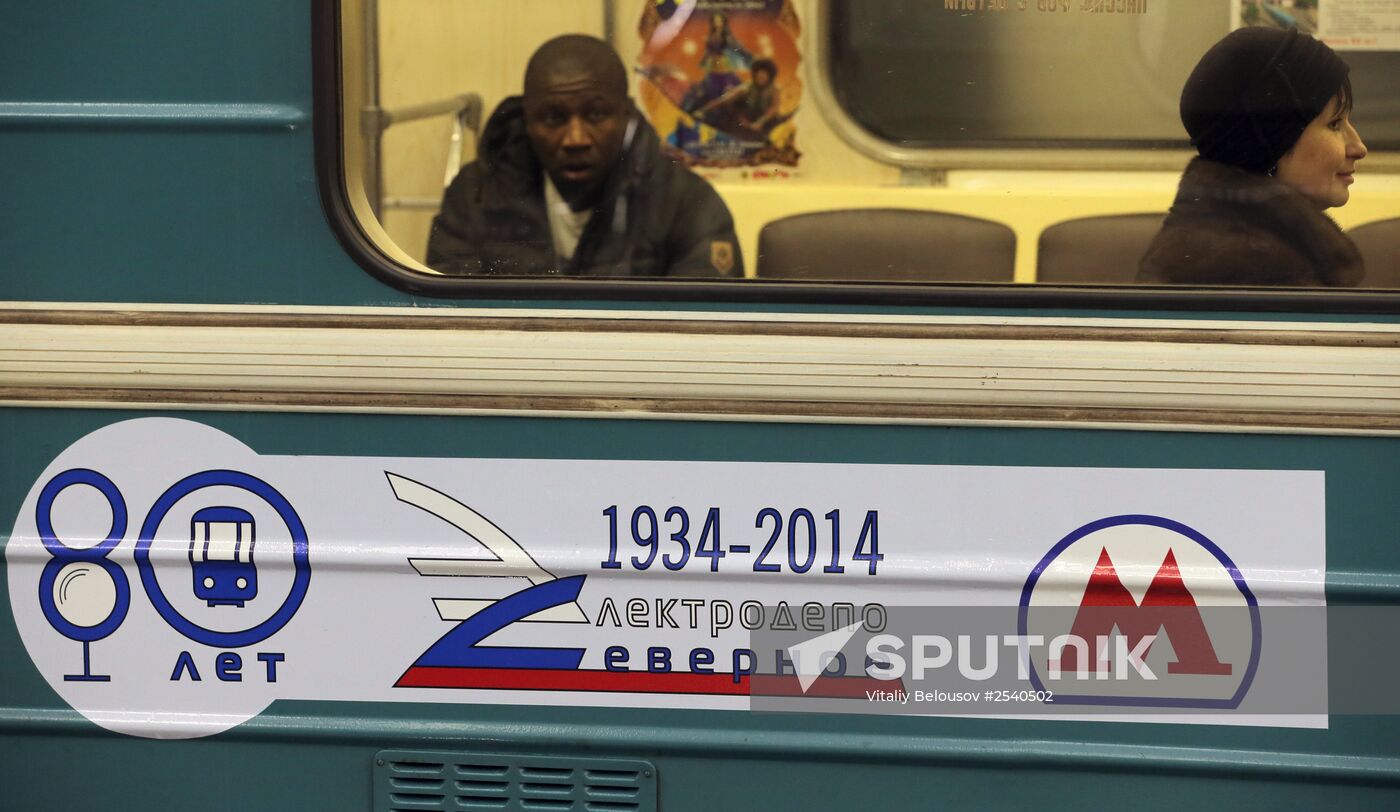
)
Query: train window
[
  {"x": 801, "y": 143},
  {"x": 1053, "y": 73}
]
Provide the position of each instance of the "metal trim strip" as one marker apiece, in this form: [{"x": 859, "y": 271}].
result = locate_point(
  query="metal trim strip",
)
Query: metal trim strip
[
  {"x": 149, "y": 115},
  {"x": 1245, "y": 376}
]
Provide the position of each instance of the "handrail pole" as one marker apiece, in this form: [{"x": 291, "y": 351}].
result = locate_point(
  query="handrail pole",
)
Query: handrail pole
[{"x": 370, "y": 124}]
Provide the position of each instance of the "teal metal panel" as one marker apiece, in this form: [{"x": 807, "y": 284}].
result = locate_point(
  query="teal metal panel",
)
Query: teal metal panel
[
  {"x": 157, "y": 51},
  {"x": 295, "y": 760},
  {"x": 163, "y": 152}
]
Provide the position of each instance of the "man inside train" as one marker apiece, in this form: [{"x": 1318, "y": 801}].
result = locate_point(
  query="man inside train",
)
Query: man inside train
[{"x": 570, "y": 180}]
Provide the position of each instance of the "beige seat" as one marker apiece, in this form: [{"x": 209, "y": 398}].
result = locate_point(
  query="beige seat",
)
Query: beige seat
[
  {"x": 1096, "y": 250},
  {"x": 1379, "y": 243},
  {"x": 886, "y": 245}
]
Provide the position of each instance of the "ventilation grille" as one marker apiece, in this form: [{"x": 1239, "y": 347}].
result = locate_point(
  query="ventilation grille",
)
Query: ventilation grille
[{"x": 415, "y": 781}]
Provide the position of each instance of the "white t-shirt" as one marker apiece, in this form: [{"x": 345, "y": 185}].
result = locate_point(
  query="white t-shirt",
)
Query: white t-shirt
[{"x": 565, "y": 224}]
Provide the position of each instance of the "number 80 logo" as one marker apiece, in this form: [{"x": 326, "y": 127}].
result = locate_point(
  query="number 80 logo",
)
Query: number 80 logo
[{"x": 81, "y": 605}]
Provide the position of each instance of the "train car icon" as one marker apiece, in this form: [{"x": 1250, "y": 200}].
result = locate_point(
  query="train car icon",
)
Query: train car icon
[{"x": 221, "y": 556}]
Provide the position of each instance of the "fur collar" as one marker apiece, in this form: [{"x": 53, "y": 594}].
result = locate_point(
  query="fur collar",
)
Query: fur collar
[{"x": 1232, "y": 227}]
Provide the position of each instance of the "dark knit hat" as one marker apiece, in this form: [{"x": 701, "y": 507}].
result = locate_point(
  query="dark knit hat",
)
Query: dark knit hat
[{"x": 1252, "y": 95}]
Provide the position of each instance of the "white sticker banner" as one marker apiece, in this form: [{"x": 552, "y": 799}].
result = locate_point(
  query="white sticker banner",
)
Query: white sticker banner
[
  {"x": 1360, "y": 25},
  {"x": 169, "y": 581},
  {"x": 1346, "y": 25}
]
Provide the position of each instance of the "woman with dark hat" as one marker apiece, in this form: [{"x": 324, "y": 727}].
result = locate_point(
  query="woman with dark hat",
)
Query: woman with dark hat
[{"x": 1267, "y": 111}]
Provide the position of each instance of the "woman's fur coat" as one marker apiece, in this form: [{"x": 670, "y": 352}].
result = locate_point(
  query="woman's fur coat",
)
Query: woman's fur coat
[{"x": 1232, "y": 227}]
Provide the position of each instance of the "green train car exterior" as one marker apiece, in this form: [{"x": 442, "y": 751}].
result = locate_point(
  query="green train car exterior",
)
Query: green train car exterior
[{"x": 186, "y": 294}]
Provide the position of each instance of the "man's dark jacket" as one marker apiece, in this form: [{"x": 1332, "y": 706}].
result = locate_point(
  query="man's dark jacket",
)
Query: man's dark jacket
[
  {"x": 1232, "y": 227},
  {"x": 656, "y": 218}
]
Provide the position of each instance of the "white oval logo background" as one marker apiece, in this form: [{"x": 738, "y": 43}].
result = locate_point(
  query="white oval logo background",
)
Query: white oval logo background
[
  {"x": 115, "y": 681},
  {"x": 1138, "y": 552}
]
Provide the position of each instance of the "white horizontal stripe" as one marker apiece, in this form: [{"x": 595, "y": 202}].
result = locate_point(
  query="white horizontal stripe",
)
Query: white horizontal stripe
[{"x": 245, "y": 365}]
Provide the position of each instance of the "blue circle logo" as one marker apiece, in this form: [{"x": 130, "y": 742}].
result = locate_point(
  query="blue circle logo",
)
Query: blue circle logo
[
  {"x": 301, "y": 579},
  {"x": 1167, "y": 598}
]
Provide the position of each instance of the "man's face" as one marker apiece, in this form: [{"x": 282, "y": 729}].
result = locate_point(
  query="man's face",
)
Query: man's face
[{"x": 576, "y": 128}]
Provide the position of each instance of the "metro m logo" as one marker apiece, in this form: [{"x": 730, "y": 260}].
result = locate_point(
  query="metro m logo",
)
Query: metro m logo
[
  {"x": 1167, "y": 609},
  {"x": 1150, "y": 585}
]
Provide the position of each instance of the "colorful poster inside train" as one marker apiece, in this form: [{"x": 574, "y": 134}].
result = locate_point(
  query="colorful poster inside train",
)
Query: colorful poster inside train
[
  {"x": 169, "y": 581},
  {"x": 720, "y": 80},
  {"x": 1346, "y": 25}
]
